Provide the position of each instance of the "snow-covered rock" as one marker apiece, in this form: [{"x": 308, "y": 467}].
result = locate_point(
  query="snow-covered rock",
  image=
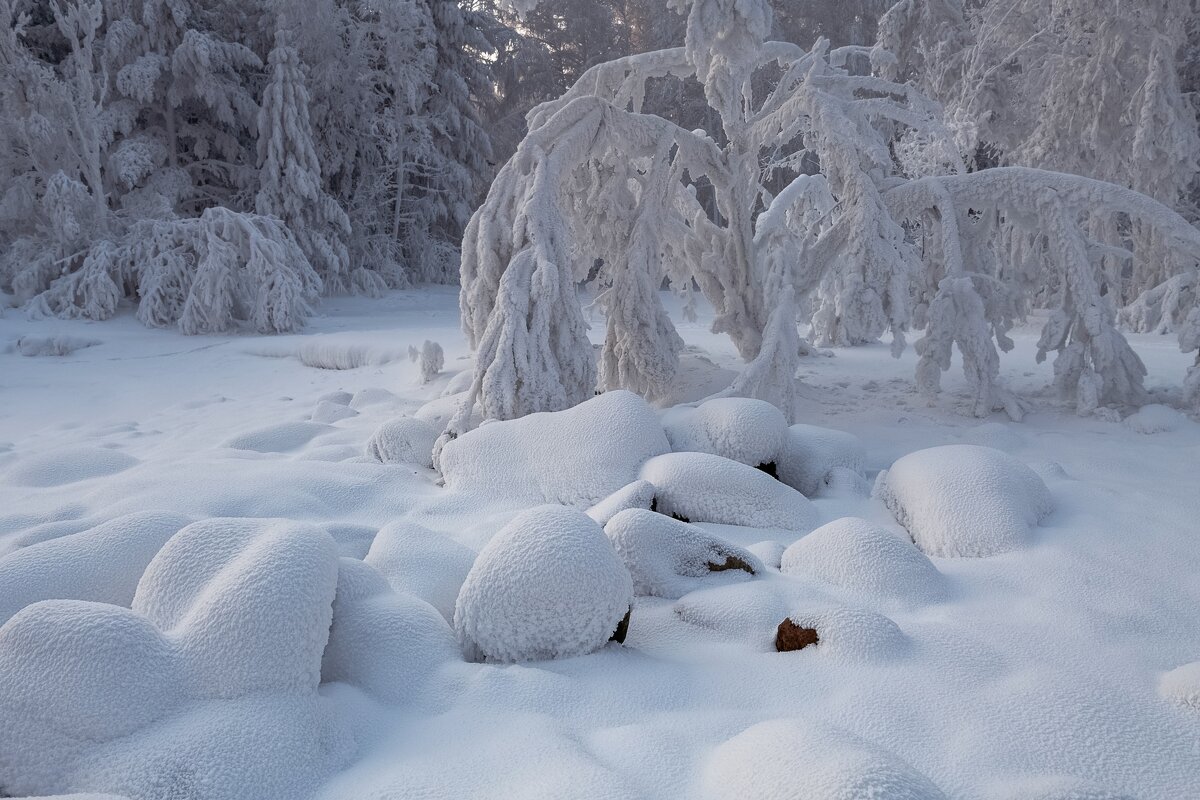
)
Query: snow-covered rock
[
  {"x": 639, "y": 494},
  {"x": 548, "y": 585},
  {"x": 810, "y": 452},
  {"x": 573, "y": 457},
  {"x": 1182, "y": 685},
  {"x": 102, "y": 564},
  {"x": 964, "y": 500},
  {"x": 1155, "y": 418},
  {"x": 853, "y": 634},
  {"x": 857, "y": 555},
  {"x": 742, "y": 429},
  {"x": 403, "y": 440},
  {"x": 700, "y": 487},
  {"x": 669, "y": 558},
  {"x": 384, "y": 642},
  {"x": 421, "y": 562},
  {"x": 790, "y": 759}
]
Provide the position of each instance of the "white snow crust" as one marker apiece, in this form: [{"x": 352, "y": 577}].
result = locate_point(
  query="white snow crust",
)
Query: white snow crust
[
  {"x": 741, "y": 429},
  {"x": 810, "y": 452},
  {"x": 639, "y": 494},
  {"x": 403, "y": 440},
  {"x": 1155, "y": 418},
  {"x": 1182, "y": 685},
  {"x": 421, "y": 562}
]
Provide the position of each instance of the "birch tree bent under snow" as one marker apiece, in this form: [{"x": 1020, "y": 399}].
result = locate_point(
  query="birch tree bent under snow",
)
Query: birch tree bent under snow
[{"x": 892, "y": 232}]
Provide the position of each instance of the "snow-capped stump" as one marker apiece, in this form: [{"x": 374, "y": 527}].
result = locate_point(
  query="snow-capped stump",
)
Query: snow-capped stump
[
  {"x": 741, "y": 429},
  {"x": 327, "y": 413},
  {"x": 639, "y": 494},
  {"x": 1155, "y": 418},
  {"x": 790, "y": 637},
  {"x": 669, "y": 558},
  {"x": 857, "y": 555},
  {"x": 61, "y": 467},
  {"x": 384, "y": 642},
  {"x": 851, "y": 633},
  {"x": 247, "y": 602},
  {"x": 790, "y": 759},
  {"x": 1182, "y": 685},
  {"x": 961, "y": 501},
  {"x": 102, "y": 564},
  {"x": 573, "y": 457},
  {"x": 700, "y": 487},
  {"x": 403, "y": 440},
  {"x": 810, "y": 452},
  {"x": 548, "y": 585},
  {"x": 422, "y": 562}
]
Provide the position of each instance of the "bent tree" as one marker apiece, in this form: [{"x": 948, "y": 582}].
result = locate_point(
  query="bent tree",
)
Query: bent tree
[{"x": 818, "y": 189}]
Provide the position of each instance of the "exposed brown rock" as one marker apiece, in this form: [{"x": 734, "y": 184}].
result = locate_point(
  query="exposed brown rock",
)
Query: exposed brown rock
[
  {"x": 732, "y": 562},
  {"x": 622, "y": 628},
  {"x": 791, "y": 636}
]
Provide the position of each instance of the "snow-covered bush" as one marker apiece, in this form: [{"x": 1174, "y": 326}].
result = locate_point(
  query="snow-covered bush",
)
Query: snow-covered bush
[
  {"x": 669, "y": 558},
  {"x": 964, "y": 500},
  {"x": 861, "y": 557},
  {"x": 548, "y": 585},
  {"x": 811, "y": 452},
  {"x": 750, "y": 431},
  {"x": 700, "y": 487},
  {"x": 573, "y": 457},
  {"x": 403, "y": 440}
]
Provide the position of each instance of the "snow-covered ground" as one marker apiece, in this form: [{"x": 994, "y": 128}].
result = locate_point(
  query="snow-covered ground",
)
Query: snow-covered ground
[{"x": 1040, "y": 672}]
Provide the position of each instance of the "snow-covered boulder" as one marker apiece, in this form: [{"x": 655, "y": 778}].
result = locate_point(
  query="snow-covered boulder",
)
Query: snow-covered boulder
[
  {"x": 810, "y": 452},
  {"x": 639, "y": 494},
  {"x": 861, "y": 557},
  {"x": 790, "y": 759},
  {"x": 669, "y": 558},
  {"x": 102, "y": 564},
  {"x": 964, "y": 500},
  {"x": 548, "y": 585},
  {"x": 853, "y": 634},
  {"x": 422, "y": 562},
  {"x": 742, "y": 429},
  {"x": 700, "y": 487},
  {"x": 573, "y": 457},
  {"x": 1155, "y": 418},
  {"x": 1182, "y": 685},
  {"x": 386, "y": 643},
  {"x": 403, "y": 440}
]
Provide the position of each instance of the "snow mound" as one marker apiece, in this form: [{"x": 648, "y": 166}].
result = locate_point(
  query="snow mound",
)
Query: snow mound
[
  {"x": 143, "y": 701},
  {"x": 371, "y": 396},
  {"x": 744, "y": 612},
  {"x": 459, "y": 382},
  {"x": 573, "y": 457},
  {"x": 994, "y": 434},
  {"x": 422, "y": 562},
  {"x": 327, "y": 413},
  {"x": 639, "y": 494},
  {"x": 403, "y": 440},
  {"x": 961, "y": 501},
  {"x": 750, "y": 431},
  {"x": 853, "y": 634},
  {"x": 102, "y": 564},
  {"x": 439, "y": 411},
  {"x": 388, "y": 644},
  {"x": 1055, "y": 787},
  {"x": 282, "y": 438},
  {"x": 789, "y": 759},
  {"x": 843, "y": 482},
  {"x": 61, "y": 467},
  {"x": 1182, "y": 685},
  {"x": 700, "y": 487},
  {"x": 811, "y": 452},
  {"x": 38, "y": 346},
  {"x": 1155, "y": 418},
  {"x": 861, "y": 557},
  {"x": 548, "y": 585},
  {"x": 338, "y": 398},
  {"x": 668, "y": 558}
]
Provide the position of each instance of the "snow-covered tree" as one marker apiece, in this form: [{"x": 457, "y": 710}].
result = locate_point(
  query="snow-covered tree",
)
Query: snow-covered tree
[{"x": 600, "y": 180}]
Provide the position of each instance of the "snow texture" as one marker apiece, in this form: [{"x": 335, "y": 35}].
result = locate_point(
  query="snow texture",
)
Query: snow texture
[
  {"x": 1182, "y": 686},
  {"x": 750, "y": 431},
  {"x": 34, "y": 346},
  {"x": 668, "y": 558},
  {"x": 282, "y": 438},
  {"x": 421, "y": 562},
  {"x": 403, "y": 440},
  {"x": 68, "y": 466},
  {"x": 811, "y": 452},
  {"x": 700, "y": 487},
  {"x": 791, "y": 759},
  {"x": 853, "y": 635},
  {"x": 1155, "y": 418},
  {"x": 856, "y": 555},
  {"x": 327, "y": 413},
  {"x": 548, "y": 585},
  {"x": 639, "y": 494},
  {"x": 962, "y": 501},
  {"x": 573, "y": 457}
]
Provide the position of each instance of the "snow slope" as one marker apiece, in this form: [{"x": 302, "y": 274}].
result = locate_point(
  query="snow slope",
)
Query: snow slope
[{"x": 1063, "y": 668}]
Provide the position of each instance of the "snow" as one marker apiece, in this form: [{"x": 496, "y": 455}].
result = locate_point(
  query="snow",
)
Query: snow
[
  {"x": 403, "y": 440},
  {"x": 700, "y": 487},
  {"x": 69, "y": 466},
  {"x": 810, "y": 452},
  {"x": 639, "y": 494},
  {"x": 961, "y": 501},
  {"x": 575, "y": 457},
  {"x": 750, "y": 431},
  {"x": 1182, "y": 686},
  {"x": 866, "y": 559},
  {"x": 668, "y": 558},
  {"x": 421, "y": 562},
  {"x": 281, "y": 438},
  {"x": 548, "y": 585},
  {"x": 1155, "y": 418}
]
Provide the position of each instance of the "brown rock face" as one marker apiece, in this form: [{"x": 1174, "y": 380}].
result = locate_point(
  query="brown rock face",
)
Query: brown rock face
[
  {"x": 732, "y": 562},
  {"x": 791, "y": 636}
]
